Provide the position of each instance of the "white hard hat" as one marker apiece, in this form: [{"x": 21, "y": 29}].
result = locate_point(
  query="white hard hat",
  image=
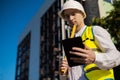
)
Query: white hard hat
[{"x": 71, "y": 4}]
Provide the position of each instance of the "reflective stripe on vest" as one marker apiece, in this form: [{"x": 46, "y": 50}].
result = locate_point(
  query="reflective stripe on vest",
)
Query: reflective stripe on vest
[{"x": 92, "y": 72}]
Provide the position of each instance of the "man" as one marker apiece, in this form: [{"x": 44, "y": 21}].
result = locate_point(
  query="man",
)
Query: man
[{"x": 99, "y": 56}]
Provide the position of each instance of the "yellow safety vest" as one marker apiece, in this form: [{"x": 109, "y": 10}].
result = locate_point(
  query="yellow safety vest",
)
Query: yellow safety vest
[{"x": 92, "y": 72}]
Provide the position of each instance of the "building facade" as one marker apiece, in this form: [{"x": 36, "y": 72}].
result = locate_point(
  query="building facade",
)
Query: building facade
[{"x": 39, "y": 47}]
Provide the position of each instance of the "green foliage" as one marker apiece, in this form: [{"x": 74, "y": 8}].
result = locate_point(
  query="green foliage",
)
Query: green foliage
[{"x": 111, "y": 23}]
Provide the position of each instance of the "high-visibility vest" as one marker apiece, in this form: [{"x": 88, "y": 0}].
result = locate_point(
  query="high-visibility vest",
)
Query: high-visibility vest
[{"x": 92, "y": 72}]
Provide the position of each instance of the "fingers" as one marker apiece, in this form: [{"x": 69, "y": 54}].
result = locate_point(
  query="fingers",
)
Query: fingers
[
  {"x": 81, "y": 54},
  {"x": 64, "y": 66},
  {"x": 78, "y": 60},
  {"x": 86, "y": 55},
  {"x": 81, "y": 60},
  {"x": 78, "y": 49},
  {"x": 81, "y": 49},
  {"x": 64, "y": 63}
]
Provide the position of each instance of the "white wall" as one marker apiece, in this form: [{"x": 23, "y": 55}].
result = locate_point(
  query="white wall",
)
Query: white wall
[
  {"x": 104, "y": 8},
  {"x": 34, "y": 27}
]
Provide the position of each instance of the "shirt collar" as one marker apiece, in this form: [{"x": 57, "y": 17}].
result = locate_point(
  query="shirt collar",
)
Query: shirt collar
[{"x": 79, "y": 33}]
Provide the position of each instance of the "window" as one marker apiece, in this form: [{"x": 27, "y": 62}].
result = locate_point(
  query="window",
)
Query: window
[{"x": 22, "y": 67}]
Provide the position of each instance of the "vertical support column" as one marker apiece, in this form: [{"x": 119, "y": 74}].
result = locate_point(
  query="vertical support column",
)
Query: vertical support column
[
  {"x": 63, "y": 37},
  {"x": 63, "y": 28},
  {"x": 91, "y": 9},
  {"x": 34, "y": 51}
]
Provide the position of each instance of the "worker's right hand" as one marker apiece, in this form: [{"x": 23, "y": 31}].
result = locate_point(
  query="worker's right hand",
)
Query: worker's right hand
[{"x": 64, "y": 66}]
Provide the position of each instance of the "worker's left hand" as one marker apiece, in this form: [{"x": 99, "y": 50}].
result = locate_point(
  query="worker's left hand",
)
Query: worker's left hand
[{"x": 87, "y": 56}]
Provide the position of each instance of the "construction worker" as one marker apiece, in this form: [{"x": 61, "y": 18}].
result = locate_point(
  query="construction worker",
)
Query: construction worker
[{"x": 99, "y": 55}]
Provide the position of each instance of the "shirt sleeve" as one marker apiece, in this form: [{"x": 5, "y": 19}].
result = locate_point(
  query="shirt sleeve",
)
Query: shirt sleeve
[{"x": 110, "y": 56}]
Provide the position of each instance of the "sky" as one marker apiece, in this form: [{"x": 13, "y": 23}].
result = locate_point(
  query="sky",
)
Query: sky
[{"x": 14, "y": 17}]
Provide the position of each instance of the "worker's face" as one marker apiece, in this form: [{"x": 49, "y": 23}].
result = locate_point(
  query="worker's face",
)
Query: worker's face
[{"x": 73, "y": 16}]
